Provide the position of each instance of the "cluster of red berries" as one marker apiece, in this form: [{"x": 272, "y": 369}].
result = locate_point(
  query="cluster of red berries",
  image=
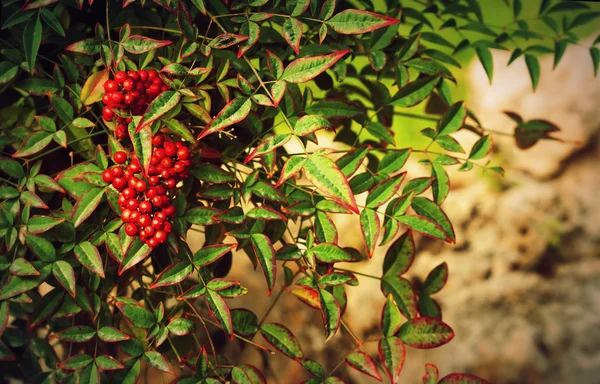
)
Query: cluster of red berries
[
  {"x": 145, "y": 200},
  {"x": 131, "y": 92}
]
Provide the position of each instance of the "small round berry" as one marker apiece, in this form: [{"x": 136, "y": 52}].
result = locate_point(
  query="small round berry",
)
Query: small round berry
[
  {"x": 128, "y": 120},
  {"x": 134, "y": 216},
  {"x": 157, "y": 201},
  {"x": 169, "y": 211},
  {"x": 106, "y": 99},
  {"x": 111, "y": 86},
  {"x": 160, "y": 236},
  {"x": 118, "y": 171},
  {"x": 166, "y": 162},
  {"x": 120, "y": 157},
  {"x": 131, "y": 229},
  {"x": 145, "y": 207},
  {"x": 132, "y": 204},
  {"x": 170, "y": 149},
  {"x": 128, "y": 99},
  {"x": 152, "y": 74},
  {"x": 116, "y": 97},
  {"x": 132, "y": 181},
  {"x": 165, "y": 174},
  {"x": 167, "y": 227},
  {"x": 153, "y": 243},
  {"x": 151, "y": 193},
  {"x": 159, "y": 153},
  {"x": 119, "y": 183},
  {"x": 183, "y": 153},
  {"x": 133, "y": 167},
  {"x": 157, "y": 223},
  {"x": 158, "y": 140},
  {"x": 165, "y": 88},
  {"x": 171, "y": 183},
  {"x": 161, "y": 216},
  {"x": 143, "y": 75},
  {"x": 108, "y": 176},
  {"x": 126, "y": 215},
  {"x": 149, "y": 230},
  {"x": 179, "y": 167},
  {"x": 122, "y": 200},
  {"x": 108, "y": 114},
  {"x": 144, "y": 221},
  {"x": 129, "y": 84},
  {"x": 127, "y": 174},
  {"x": 154, "y": 89},
  {"x": 161, "y": 190},
  {"x": 140, "y": 186},
  {"x": 140, "y": 87},
  {"x": 153, "y": 180},
  {"x": 120, "y": 76},
  {"x": 134, "y": 75}
]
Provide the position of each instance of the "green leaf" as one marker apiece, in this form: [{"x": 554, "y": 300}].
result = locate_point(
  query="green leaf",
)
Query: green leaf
[
  {"x": 403, "y": 294},
  {"x": 86, "y": 205},
  {"x": 384, "y": 191},
  {"x": 275, "y": 64},
  {"x": 595, "y": 55},
  {"x": 136, "y": 253},
  {"x": 399, "y": 257},
  {"x": 246, "y": 374},
  {"x": 281, "y": 339},
  {"x": 180, "y": 326},
  {"x": 352, "y": 160},
  {"x": 41, "y": 247},
  {"x": 234, "y": 112},
  {"x": 158, "y": 361},
  {"x": 376, "y": 129},
  {"x": 486, "y": 59},
  {"x": 441, "y": 183},
  {"x": 461, "y": 378},
  {"x": 140, "y": 44},
  {"x": 266, "y": 257},
  {"x": 220, "y": 311},
  {"x": 32, "y": 37},
  {"x": 424, "y": 333},
  {"x": 93, "y": 88},
  {"x": 180, "y": 130},
  {"x": 481, "y": 148},
  {"x": 290, "y": 168},
  {"x": 82, "y": 122},
  {"x": 64, "y": 273},
  {"x": 137, "y": 315},
  {"x": 268, "y": 145},
  {"x": 363, "y": 363},
  {"x": 111, "y": 335},
  {"x": 583, "y": 19},
  {"x": 108, "y": 363},
  {"x": 393, "y": 162},
  {"x": 88, "y": 47},
  {"x": 17, "y": 285},
  {"x": 330, "y": 253},
  {"x": 89, "y": 257},
  {"x": 76, "y": 362},
  {"x": 11, "y": 167},
  {"x": 33, "y": 144},
  {"x": 433, "y": 212},
  {"x": 436, "y": 279},
  {"x": 453, "y": 119},
  {"x": 324, "y": 174},
  {"x": 22, "y": 267},
  {"x": 369, "y": 225},
  {"x": 393, "y": 354},
  {"x": 308, "y": 124},
  {"x": 325, "y": 229},
  {"x": 8, "y": 71},
  {"x": 354, "y": 21},
  {"x": 211, "y": 253},
  {"x": 533, "y": 66},
  {"x": 333, "y": 109},
  {"x": 244, "y": 322},
  {"x": 173, "y": 274},
  {"x": 415, "y": 92},
  {"x": 46, "y": 307},
  {"x": 163, "y": 103},
  {"x": 307, "y": 68},
  {"x": 390, "y": 317},
  {"x": 202, "y": 215},
  {"x": 76, "y": 334},
  {"x": 52, "y": 21},
  {"x": 292, "y": 33},
  {"x": 330, "y": 310},
  {"x": 560, "y": 47}
]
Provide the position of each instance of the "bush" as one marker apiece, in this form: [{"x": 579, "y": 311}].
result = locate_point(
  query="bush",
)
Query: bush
[{"x": 175, "y": 116}]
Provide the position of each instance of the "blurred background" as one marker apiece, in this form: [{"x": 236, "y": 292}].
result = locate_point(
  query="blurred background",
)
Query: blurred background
[{"x": 523, "y": 295}]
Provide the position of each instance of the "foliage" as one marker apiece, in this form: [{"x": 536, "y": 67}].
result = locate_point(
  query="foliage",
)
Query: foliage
[{"x": 101, "y": 185}]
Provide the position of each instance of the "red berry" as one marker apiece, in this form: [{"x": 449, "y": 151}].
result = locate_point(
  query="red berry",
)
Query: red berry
[
  {"x": 170, "y": 149},
  {"x": 108, "y": 176},
  {"x": 160, "y": 236},
  {"x": 145, "y": 207},
  {"x": 159, "y": 153},
  {"x": 117, "y": 171},
  {"x": 167, "y": 227},
  {"x": 128, "y": 98},
  {"x": 129, "y": 84},
  {"x": 119, "y": 183},
  {"x": 120, "y": 157},
  {"x": 106, "y": 99},
  {"x": 157, "y": 201},
  {"x": 132, "y": 204},
  {"x": 154, "y": 89},
  {"x": 157, "y": 223},
  {"x": 116, "y": 97},
  {"x": 140, "y": 186},
  {"x": 144, "y": 221},
  {"x": 134, "y": 216},
  {"x": 108, "y": 114},
  {"x": 161, "y": 190},
  {"x": 120, "y": 76},
  {"x": 128, "y": 120},
  {"x": 151, "y": 193},
  {"x": 149, "y": 230},
  {"x": 171, "y": 183},
  {"x": 179, "y": 167},
  {"x": 126, "y": 215},
  {"x": 152, "y": 74},
  {"x": 169, "y": 211},
  {"x": 165, "y": 174},
  {"x": 166, "y": 162},
  {"x": 183, "y": 153},
  {"x": 132, "y": 181},
  {"x": 122, "y": 200},
  {"x": 127, "y": 174},
  {"x": 134, "y": 75},
  {"x": 158, "y": 140},
  {"x": 140, "y": 87},
  {"x": 143, "y": 74},
  {"x": 165, "y": 88},
  {"x": 153, "y": 243},
  {"x": 153, "y": 180},
  {"x": 131, "y": 229},
  {"x": 161, "y": 216},
  {"x": 111, "y": 86}
]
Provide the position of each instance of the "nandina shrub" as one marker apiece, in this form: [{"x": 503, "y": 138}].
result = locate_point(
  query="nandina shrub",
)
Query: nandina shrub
[{"x": 126, "y": 126}]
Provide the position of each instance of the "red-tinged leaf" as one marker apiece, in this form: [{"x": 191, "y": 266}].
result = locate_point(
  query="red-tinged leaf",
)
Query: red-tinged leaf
[
  {"x": 292, "y": 33},
  {"x": 220, "y": 311},
  {"x": 440, "y": 186},
  {"x": 462, "y": 378},
  {"x": 308, "y": 124},
  {"x": 393, "y": 354},
  {"x": 202, "y": 216},
  {"x": 17, "y": 285},
  {"x": 432, "y": 211},
  {"x": 89, "y": 257},
  {"x": 278, "y": 91},
  {"x": 290, "y": 168},
  {"x": 93, "y": 89},
  {"x": 247, "y": 374},
  {"x": 22, "y": 267},
  {"x": 436, "y": 279},
  {"x": 88, "y": 47},
  {"x": 46, "y": 307},
  {"x": 108, "y": 363},
  {"x": 211, "y": 253},
  {"x": 166, "y": 101},
  {"x": 33, "y": 200},
  {"x": 482, "y": 147},
  {"x": 173, "y": 274},
  {"x": 268, "y": 145},
  {"x": 158, "y": 361},
  {"x": 234, "y": 112},
  {"x": 415, "y": 92},
  {"x": 334, "y": 109},
  {"x": 431, "y": 375},
  {"x": 252, "y": 30},
  {"x": 180, "y": 326},
  {"x": 282, "y": 339},
  {"x": 76, "y": 362},
  {"x": 390, "y": 317},
  {"x": 137, "y": 315},
  {"x": 325, "y": 229},
  {"x": 311, "y": 366},
  {"x": 4, "y": 316},
  {"x": 424, "y": 226},
  {"x": 307, "y": 68},
  {"x": 330, "y": 253},
  {"x": 453, "y": 119},
  {"x": 33, "y": 144},
  {"x": 137, "y": 252},
  {"x": 384, "y": 191},
  {"x": 226, "y": 40},
  {"x": 403, "y": 294},
  {"x": 370, "y": 227},
  {"x": 266, "y": 258},
  {"x": 140, "y": 44},
  {"x": 354, "y": 21},
  {"x": 265, "y": 213},
  {"x": 111, "y": 335},
  {"x": 65, "y": 275},
  {"x": 275, "y": 64},
  {"x": 400, "y": 256},
  {"x": 425, "y": 333},
  {"x": 307, "y": 295},
  {"x": 76, "y": 334},
  {"x": 86, "y": 205},
  {"x": 200, "y": 5},
  {"x": 324, "y": 174},
  {"x": 330, "y": 310},
  {"x": 34, "y": 4},
  {"x": 363, "y": 363}
]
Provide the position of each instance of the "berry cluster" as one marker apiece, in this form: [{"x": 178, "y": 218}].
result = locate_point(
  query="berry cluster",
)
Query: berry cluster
[
  {"x": 145, "y": 199},
  {"x": 130, "y": 92}
]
